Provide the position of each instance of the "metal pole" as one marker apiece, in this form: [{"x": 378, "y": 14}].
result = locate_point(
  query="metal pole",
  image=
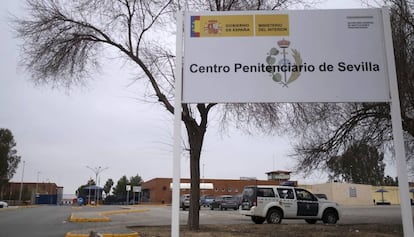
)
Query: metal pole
[
  {"x": 99, "y": 190},
  {"x": 37, "y": 186},
  {"x": 21, "y": 183},
  {"x": 175, "y": 214},
  {"x": 89, "y": 192},
  {"x": 100, "y": 178},
  {"x": 96, "y": 186},
  {"x": 406, "y": 212},
  {"x": 127, "y": 197},
  {"x": 37, "y": 181}
]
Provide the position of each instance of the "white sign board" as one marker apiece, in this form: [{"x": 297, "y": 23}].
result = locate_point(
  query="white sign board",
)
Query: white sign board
[
  {"x": 136, "y": 189},
  {"x": 285, "y": 56}
]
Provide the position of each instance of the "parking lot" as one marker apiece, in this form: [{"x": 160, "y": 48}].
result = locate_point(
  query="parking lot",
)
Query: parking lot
[
  {"x": 356, "y": 221},
  {"x": 161, "y": 215},
  {"x": 51, "y": 221}
]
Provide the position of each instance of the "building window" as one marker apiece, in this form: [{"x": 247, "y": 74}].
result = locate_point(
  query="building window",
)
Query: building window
[
  {"x": 236, "y": 190},
  {"x": 223, "y": 189},
  {"x": 164, "y": 188},
  {"x": 216, "y": 190},
  {"x": 352, "y": 192},
  {"x": 229, "y": 189}
]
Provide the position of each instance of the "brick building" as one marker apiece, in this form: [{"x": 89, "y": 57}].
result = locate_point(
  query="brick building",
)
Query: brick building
[
  {"x": 11, "y": 191},
  {"x": 158, "y": 190}
]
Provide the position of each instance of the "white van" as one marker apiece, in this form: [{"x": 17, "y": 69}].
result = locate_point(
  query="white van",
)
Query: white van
[{"x": 274, "y": 203}]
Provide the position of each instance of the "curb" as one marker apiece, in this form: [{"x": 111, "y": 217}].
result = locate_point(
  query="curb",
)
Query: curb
[
  {"x": 101, "y": 216},
  {"x": 108, "y": 213},
  {"x": 103, "y": 233},
  {"x": 98, "y": 218}
]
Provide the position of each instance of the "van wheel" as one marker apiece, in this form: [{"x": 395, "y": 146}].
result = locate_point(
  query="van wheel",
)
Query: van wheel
[
  {"x": 329, "y": 217},
  {"x": 274, "y": 216},
  {"x": 258, "y": 219},
  {"x": 311, "y": 221}
]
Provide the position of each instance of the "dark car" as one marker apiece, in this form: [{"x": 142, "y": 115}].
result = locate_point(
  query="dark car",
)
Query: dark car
[
  {"x": 321, "y": 196},
  {"x": 224, "y": 202},
  {"x": 206, "y": 200},
  {"x": 239, "y": 199}
]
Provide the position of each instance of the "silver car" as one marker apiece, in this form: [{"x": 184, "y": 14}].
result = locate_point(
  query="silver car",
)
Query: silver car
[
  {"x": 185, "y": 201},
  {"x": 3, "y": 204}
]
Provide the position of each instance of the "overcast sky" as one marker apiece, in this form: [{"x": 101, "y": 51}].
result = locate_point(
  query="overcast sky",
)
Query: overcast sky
[{"x": 60, "y": 133}]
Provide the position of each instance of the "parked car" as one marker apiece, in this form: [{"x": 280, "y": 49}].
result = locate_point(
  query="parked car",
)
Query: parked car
[
  {"x": 206, "y": 200},
  {"x": 224, "y": 202},
  {"x": 274, "y": 203},
  {"x": 185, "y": 201},
  {"x": 239, "y": 199},
  {"x": 3, "y": 204},
  {"x": 321, "y": 196}
]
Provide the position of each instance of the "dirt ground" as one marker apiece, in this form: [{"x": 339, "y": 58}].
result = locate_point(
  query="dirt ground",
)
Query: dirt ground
[{"x": 282, "y": 230}]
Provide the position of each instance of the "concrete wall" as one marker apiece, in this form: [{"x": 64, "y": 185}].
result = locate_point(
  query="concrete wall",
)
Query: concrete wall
[
  {"x": 392, "y": 195},
  {"x": 365, "y": 194},
  {"x": 345, "y": 193}
]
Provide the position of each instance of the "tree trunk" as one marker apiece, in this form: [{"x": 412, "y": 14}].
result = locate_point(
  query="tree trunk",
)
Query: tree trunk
[
  {"x": 195, "y": 134},
  {"x": 194, "y": 215}
]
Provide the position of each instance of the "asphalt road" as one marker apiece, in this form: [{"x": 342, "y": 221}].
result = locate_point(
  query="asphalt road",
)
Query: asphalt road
[
  {"x": 350, "y": 215},
  {"x": 45, "y": 221}
]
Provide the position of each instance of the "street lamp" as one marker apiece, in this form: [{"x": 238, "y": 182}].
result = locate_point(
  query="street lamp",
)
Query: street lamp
[
  {"x": 21, "y": 183},
  {"x": 97, "y": 171},
  {"x": 37, "y": 186},
  {"x": 89, "y": 191}
]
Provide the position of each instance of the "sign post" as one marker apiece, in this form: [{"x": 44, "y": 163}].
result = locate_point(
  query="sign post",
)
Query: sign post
[
  {"x": 175, "y": 213},
  {"x": 128, "y": 188},
  {"x": 136, "y": 189},
  {"x": 405, "y": 203}
]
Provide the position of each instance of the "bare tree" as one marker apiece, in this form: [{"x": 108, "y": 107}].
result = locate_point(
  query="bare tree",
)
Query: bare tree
[
  {"x": 64, "y": 43},
  {"x": 325, "y": 130}
]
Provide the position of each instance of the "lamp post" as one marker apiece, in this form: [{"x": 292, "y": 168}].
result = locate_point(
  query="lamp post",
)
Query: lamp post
[
  {"x": 96, "y": 171},
  {"x": 89, "y": 191},
  {"x": 37, "y": 186},
  {"x": 21, "y": 183}
]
